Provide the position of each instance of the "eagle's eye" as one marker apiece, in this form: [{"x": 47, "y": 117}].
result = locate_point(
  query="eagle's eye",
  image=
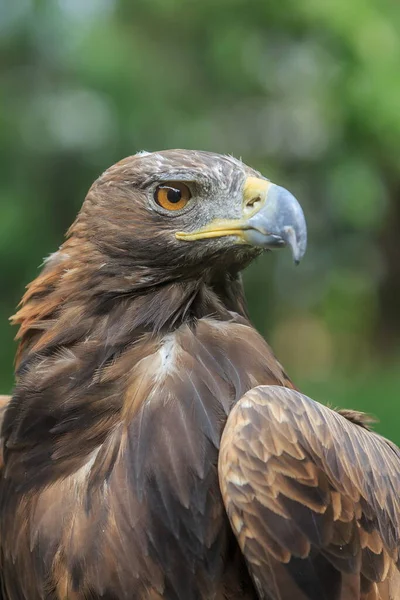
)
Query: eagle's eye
[{"x": 173, "y": 195}]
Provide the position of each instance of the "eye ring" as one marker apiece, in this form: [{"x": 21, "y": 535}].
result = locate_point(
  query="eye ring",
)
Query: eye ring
[{"x": 172, "y": 195}]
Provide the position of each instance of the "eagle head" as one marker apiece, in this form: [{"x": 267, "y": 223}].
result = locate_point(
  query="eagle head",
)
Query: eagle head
[{"x": 178, "y": 213}]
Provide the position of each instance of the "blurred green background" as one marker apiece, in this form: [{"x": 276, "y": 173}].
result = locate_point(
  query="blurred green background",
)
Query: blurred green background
[{"x": 307, "y": 91}]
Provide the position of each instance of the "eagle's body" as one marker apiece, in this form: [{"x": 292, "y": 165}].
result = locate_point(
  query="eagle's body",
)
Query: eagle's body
[
  {"x": 138, "y": 513},
  {"x": 135, "y": 354}
]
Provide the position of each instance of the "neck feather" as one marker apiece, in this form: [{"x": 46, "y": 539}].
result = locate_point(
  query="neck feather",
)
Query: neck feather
[{"x": 78, "y": 297}]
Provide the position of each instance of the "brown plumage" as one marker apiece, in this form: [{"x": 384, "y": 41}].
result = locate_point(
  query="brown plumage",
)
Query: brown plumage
[
  {"x": 326, "y": 502},
  {"x": 136, "y": 352}
]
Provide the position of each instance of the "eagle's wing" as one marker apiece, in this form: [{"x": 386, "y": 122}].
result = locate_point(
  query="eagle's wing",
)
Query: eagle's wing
[{"x": 313, "y": 498}]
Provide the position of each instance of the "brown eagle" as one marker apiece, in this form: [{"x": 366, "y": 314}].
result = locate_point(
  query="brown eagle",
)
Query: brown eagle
[{"x": 154, "y": 448}]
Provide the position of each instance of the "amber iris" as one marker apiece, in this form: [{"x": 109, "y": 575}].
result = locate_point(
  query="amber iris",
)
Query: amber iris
[{"x": 173, "y": 195}]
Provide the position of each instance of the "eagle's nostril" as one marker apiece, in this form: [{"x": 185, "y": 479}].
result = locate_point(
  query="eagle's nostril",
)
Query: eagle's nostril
[{"x": 252, "y": 201}]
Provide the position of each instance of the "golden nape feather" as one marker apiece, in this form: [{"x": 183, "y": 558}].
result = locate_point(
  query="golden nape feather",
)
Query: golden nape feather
[{"x": 136, "y": 358}]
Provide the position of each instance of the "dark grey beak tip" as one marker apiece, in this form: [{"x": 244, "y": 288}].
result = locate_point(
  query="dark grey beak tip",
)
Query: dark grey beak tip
[{"x": 297, "y": 244}]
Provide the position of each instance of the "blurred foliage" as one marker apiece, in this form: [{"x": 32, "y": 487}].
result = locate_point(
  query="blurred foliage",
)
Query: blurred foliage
[{"x": 308, "y": 92}]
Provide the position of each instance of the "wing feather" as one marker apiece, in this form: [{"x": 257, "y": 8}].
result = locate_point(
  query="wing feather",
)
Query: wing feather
[{"x": 313, "y": 497}]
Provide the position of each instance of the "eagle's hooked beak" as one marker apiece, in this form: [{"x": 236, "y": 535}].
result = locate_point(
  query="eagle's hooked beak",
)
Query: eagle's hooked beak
[{"x": 271, "y": 218}]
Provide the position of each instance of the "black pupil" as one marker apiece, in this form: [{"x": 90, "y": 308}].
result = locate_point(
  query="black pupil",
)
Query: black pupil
[{"x": 174, "y": 195}]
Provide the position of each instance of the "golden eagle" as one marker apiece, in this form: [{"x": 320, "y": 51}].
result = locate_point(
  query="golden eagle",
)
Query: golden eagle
[{"x": 153, "y": 447}]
